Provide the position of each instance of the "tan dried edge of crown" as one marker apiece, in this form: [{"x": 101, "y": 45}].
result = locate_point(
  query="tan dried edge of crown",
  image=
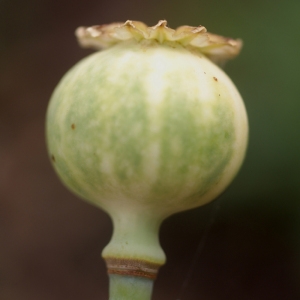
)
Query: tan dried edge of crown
[{"x": 217, "y": 48}]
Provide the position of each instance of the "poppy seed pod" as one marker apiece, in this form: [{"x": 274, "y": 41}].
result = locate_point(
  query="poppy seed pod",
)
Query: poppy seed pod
[{"x": 146, "y": 127}]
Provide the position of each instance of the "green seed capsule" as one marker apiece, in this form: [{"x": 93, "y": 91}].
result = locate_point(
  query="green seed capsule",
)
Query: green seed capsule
[{"x": 148, "y": 127}]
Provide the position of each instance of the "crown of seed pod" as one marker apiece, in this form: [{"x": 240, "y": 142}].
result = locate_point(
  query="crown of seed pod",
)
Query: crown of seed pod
[{"x": 145, "y": 128}]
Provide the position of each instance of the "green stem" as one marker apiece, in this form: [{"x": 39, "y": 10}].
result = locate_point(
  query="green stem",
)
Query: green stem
[
  {"x": 122, "y": 287},
  {"x": 135, "y": 238}
]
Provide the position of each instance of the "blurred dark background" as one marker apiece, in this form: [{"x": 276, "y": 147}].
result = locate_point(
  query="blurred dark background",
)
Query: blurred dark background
[{"x": 50, "y": 241}]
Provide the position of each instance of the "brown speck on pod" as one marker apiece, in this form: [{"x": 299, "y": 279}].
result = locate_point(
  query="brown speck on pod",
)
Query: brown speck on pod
[
  {"x": 204, "y": 72},
  {"x": 53, "y": 158},
  {"x": 215, "y": 78},
  {"x": 73, "y": 126}
]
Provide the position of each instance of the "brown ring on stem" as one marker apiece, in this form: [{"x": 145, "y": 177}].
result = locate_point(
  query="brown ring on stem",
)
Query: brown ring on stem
[{"x": 132, "y": 267}]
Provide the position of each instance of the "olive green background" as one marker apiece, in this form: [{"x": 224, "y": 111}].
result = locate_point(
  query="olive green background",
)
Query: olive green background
[{"x": 50, "y": 241}]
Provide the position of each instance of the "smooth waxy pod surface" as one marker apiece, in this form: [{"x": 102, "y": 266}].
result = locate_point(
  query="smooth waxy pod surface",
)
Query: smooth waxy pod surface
[{"x": 145, "y": 128}]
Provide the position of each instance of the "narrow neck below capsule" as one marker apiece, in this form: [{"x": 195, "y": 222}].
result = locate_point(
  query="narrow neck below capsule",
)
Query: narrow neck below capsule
[{"x": 134, "y": 249}]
